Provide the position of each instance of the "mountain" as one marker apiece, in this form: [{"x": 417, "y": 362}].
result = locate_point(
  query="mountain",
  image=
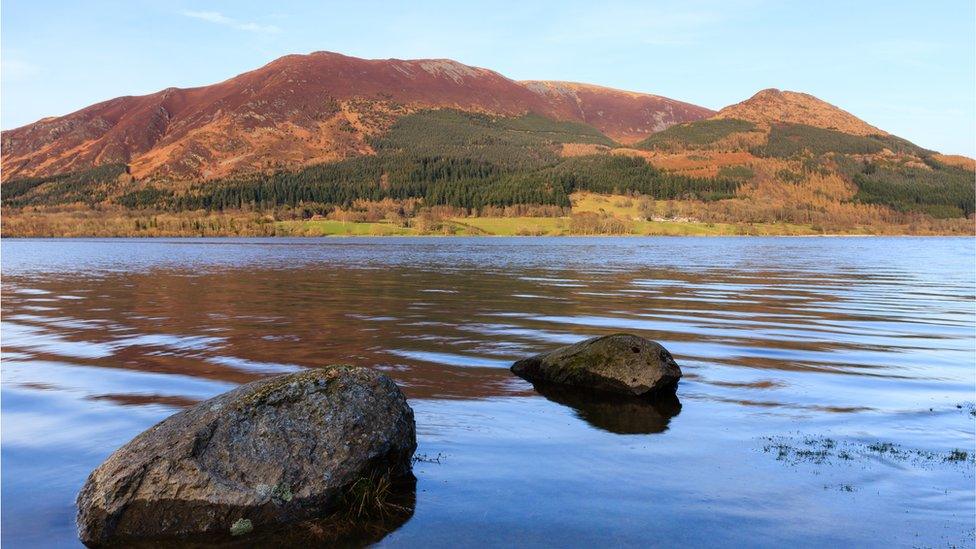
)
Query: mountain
[
  {"x": 773, "y": 117},
  {"x": 625, "y": 116},
  {"x": 307, "y": 109},
  {"x": 310, "y": 144},
  {"x": 801, "y": 159},
  {"x": 773, "y": 106}
]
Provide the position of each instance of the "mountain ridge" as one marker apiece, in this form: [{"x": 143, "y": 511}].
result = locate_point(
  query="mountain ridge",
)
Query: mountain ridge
[
  {"x": 420, "y": 146},
  {"x": 297, "y": 110}
]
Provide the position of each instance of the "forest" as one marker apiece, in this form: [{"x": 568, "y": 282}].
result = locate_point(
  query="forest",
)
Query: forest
[
  {"x": 86, "y": 186},
  {"x": 450, "y": 158},
  {"x": 934, "y": 188},
  {"x": 695, "y": 134},
  {"x": 475, "y": 163},
  {"x": 791, "y": 140}
]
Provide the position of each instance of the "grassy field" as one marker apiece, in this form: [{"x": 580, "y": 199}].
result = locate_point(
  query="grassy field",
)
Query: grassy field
[
  {"x": 592, "y": 214},
  {"x": 328, "y": 227},
  {"x": 543, "y": 226},
  {"x": 515, "y": 226},
  {"x": 693, "y": 228},
  {"x": 460, "y": 226},
  {"x": 624, "y": 207},
  {"x": 54, "y": 226}
]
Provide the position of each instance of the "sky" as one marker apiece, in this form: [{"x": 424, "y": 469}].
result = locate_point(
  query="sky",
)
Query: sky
[{"x": 907, "y": 67}]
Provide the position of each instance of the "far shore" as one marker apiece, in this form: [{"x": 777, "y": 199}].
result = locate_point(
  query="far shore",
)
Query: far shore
[
  {"x": 176, "y": 226},
  {"x": 358, "y": 235},
  {"x": 591, "y": 215}
]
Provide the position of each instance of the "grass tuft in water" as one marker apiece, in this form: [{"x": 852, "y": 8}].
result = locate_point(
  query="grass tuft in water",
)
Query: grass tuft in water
[
  {"x": 884, "y": 448},
  {"x": 424, "y": 458},
  {"x": 371, "y": 496},
  {"x": 821, "y": 450},
  {"x": 957, "y": 455}
]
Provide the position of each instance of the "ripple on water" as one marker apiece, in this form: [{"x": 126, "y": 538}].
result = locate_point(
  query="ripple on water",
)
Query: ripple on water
[{"x": 857, "y": 341}]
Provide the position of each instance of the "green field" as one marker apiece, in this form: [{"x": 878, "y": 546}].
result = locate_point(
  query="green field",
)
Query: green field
[
  {"x": 693, "y": 228},
  {"x": 515, "y": 226},
  {"x": 533, "y": 226},
  {"x": 326, "y": 227}
]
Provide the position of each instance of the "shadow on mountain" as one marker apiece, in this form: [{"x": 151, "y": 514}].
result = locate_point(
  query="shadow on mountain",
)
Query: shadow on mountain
[{"x": 616, "y": 413}]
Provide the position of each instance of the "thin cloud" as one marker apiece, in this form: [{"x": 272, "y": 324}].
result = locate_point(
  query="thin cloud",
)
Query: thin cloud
[{"x": 220, "y": 19}]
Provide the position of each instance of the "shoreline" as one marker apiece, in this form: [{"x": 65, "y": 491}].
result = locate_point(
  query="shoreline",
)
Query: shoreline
[{"x": 479, "y": 236}]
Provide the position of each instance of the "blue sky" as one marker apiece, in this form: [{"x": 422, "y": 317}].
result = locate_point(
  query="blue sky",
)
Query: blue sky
[{"x": 906, "y": 67}]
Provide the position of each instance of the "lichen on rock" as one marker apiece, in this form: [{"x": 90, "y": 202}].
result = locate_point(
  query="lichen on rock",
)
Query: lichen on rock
[{"x": 241, "y": 527}]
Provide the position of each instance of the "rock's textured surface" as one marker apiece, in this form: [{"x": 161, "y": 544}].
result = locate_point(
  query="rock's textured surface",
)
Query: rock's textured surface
[
  {"x": 618, "y": 363},
  {"x": 275, "y": 451}
]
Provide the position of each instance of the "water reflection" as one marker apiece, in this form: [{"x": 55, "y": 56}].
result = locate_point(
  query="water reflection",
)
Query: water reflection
[
  {"x": 343, "y": 530},
  {"x": 616, "y": 413},
  {"x": 869, "y": 338},
  {"x": 456, "y": 342}
]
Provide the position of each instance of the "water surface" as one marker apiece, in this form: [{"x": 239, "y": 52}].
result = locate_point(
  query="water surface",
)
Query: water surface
[{"x": 828, "y": 389}]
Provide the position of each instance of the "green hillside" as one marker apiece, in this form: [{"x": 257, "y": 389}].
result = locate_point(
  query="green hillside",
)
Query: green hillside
[
  {"x": 472, "y": 162},
  {"x": 695, "y": 134},
  {"x": 443, "y": 157}
]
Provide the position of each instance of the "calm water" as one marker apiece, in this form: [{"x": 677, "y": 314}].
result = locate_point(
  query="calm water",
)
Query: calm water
[{"x": 827, "y": 381}]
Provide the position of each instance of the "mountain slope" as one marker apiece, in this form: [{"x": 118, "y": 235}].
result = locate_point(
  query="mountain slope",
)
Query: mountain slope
[
  {"x": 306, "y": 109},
  {"x": 775, "y": 106},
  {"x": 420, "y": 146},
  {"x": 800, "y": 157},
  {"x": 625, "y": 116}
]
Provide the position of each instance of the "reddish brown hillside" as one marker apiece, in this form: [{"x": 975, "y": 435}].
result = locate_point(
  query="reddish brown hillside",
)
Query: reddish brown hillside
[
  {"x": 772, "y": 106},
  {"x": 302, "y": 109},
  {"x": 625, "y": 116}
]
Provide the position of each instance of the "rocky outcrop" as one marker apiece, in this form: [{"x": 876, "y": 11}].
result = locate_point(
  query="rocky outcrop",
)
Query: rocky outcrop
[
  {"x": 620, "y": 363},
  {"x": 277, "y": 451}
]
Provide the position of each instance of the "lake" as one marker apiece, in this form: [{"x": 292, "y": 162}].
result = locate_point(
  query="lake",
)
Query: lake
[{"x": 827, "y": 398}]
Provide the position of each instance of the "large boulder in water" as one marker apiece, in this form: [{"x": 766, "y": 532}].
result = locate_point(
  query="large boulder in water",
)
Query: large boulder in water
[
  {"x": 273, "y": 452},
  {"x": 620, "y": 363}
]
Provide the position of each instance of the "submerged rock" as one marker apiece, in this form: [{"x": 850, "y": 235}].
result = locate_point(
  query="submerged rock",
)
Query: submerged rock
[
  {"x": 617, "y": 363},
  {"x": 277, "y": 451}
]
